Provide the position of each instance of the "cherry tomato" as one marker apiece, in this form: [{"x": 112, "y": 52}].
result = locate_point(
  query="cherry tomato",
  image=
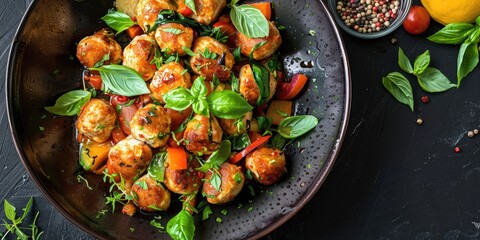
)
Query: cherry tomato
[
  {"x": 184, "y": 10},
  {"x": 417, "y": 20},
  {"x": 118, "y": 135}
]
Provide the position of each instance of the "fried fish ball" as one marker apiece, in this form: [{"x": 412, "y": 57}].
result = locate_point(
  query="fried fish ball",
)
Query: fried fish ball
[
  {"x": 92, "y": 49},
  {"x": 171, "y": 37},
  {"x": 168, "y": 77},
  {"x": 273, "y": 41},
  {"x": 202, "y": 135},
  {"x": 96, "y": 120},
  {"x": 266, "y": 164},
  {"x": 230, "y": 186},
  {"x": 129, "y": 159},
  {"x": 186, "y": 181},
  {"x": 248, "y": 87},
  {"x": 150, "y": 195},
  {"x": 147, "y": 11},
  {"x": 139, "y": 54},
  {"x": 151, "y": 124},
  {"x": 211, "y": 58},
  {"x": 208, "y": 10}
]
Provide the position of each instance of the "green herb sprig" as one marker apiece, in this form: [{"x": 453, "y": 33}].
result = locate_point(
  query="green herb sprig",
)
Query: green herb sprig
[
  {"x": 466, "y": 34},
  {"x": 224, "y": 104},
  {"x": 14, "y": 225}
]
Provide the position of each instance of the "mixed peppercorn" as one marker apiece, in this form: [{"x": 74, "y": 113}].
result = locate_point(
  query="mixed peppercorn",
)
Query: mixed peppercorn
[{"x": 367, "y": 16}]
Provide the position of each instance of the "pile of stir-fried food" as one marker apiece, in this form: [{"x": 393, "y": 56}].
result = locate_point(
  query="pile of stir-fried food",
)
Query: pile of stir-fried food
[{"x": 195, "y": 104}]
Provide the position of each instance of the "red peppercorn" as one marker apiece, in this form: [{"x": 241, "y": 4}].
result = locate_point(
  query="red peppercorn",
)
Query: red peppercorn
[
  {"x": 375, "y": 9},
  {"x": 377, "y": 24},
  {"x": 457, "y": 149},
  {"x": 425, "y": 99}
]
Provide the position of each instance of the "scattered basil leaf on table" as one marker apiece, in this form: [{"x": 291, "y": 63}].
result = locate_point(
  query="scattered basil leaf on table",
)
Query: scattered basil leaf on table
[
  {"x": 70, "y": 103},
  {"x": 228, "y": 104},
  {"x": 454, "y": 33},
  {"x": 421, "y": 63},
  {"x": 121, "y": 80},
  {"x": 432, "y": 80},
  {"x": 156, "y": 169},
  {"x": 469, "y": 36},
  {"x": 249, "y": 20},
  {"x": 467, "y": 59},
  {"x": 399, "y": 87},
  {"x": 182, "y": 226},
  {"x": 191, "y": 4},
  {"x": 118, "y": 21},
  {"x": 15, "y": 225},
  {"x": 404, "y": 62},
  {"x": 296, "y": 126}
]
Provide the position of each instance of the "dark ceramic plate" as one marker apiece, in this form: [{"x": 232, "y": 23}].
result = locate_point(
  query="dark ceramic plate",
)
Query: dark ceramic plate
[{"x": 41, "y": 68}]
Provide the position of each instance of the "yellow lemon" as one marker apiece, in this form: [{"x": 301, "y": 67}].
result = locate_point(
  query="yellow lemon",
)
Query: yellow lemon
[{"x": 452, "y": 11}]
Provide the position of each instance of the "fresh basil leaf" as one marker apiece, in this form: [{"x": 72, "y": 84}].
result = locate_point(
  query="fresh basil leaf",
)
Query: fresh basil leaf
[
  {"x": 404, "y": 62},
  {"x": 218, "y": 157},
  {"x": 278, "y": 141},
  {"x": 264, "y": 123},
  {"x": 121, "y": 80},
  {"x": 241, "y": 141},
  {"x": 178, "y": 99},
  {"x": 182, "y": 226},
  {"x": 235, "y": 83},
  {"x": 70, "y": 103},
  {"x": 118, "y": 21},
  {"x": 262, "y": 79},
  {"x": 467, "y": 59},
  {"x": 200, "y": 106},
  {"x": 273, "y": 64},
  {"x": 198, "y": 87},
  {"x": 9, "y": 210},
  {"x": 156, "y": 169},
  {"x": 249, "y": 21},
  {"x": 432, "y": 80},
  {"x": 453, "y": 33},
  {"x": 191, "y": 4},
  {"x": 296, "y": 126},
  {"x": 27, "y": 208},
  {"x": 216, "y": 181},
  {"x": 399, "y": 87},
  {"x": 421, "y": 63},
  {"x": 237, "y": 54},
  {"x": 228, "y": 104},
  {"x": 206, "y": 212},
  {"x": 105, "y": 57},
  {"x": 474, "y": 36}
]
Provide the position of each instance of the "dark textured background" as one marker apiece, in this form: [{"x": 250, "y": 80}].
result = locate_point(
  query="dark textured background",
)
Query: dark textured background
[{"x": 393, "y": 179}]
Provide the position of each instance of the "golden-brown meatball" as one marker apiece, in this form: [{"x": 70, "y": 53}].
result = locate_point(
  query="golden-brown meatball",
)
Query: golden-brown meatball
[
  {"x": 147, "y": 12},
  {"x": 149, "y": 195},
  {"x": 230, "y": 127},
  {"x": 92, "y": 49},
  {"x": 211, "y": 58},
  {"x": 208, "y": 10},
  {"x": 266, "y": 164},
  {"x": 186, "y": 181},
  {"x": 139, "y": 54},
  {"x": 231, "y": 184},
  {"x": 273, "y": 41},
  {"x": 151, "y": 124},
  {"x": 202, "y": 135},
  {"x": 171, "y": 37},
  {"x": 169, "y": 77},
  {"x": 129, "y": 159},
  {"x": 248, "y": 87},
  {"x": 96, "y": 120}
]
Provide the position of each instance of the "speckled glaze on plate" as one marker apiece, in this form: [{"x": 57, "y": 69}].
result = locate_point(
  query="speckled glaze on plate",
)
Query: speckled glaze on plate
[{"x": 41, "y": 68}]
